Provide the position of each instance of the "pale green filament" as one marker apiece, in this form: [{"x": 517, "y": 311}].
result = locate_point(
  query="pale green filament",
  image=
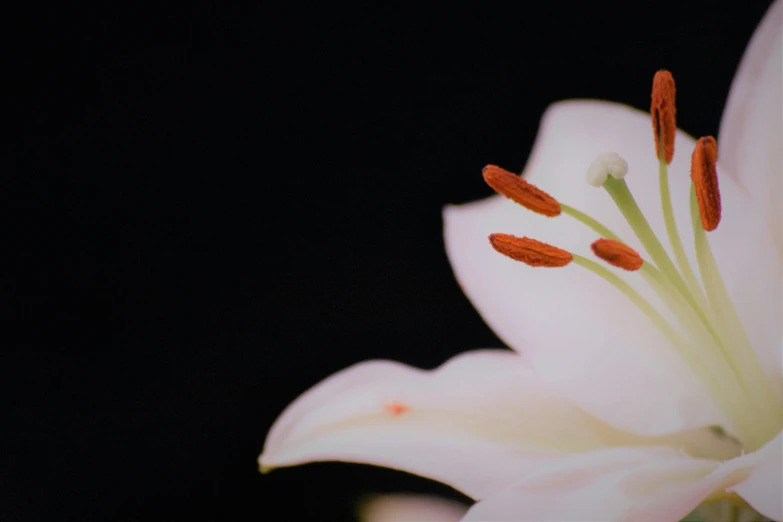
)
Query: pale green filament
[
  {"x": 599, "y": 228},
  {"x": 697, "y": 349},
  {"x": 617, "y": 282},
  {"x": 719, "y": 376},
  {"x": 674, "y": 235},
  {"x": 621, "y": 195},
  {"x": 714, "y": 376},
  {"x": 690, "y": 322},
  {"x": 618, "y": 190},
  {"x": 741, "y": 354}
]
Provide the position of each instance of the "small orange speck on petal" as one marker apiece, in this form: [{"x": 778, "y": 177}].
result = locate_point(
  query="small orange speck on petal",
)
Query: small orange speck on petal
[{"x": 397, "y": 408}]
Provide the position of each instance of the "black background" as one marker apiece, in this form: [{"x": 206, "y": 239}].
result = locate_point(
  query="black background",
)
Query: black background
[{"x": 207, "y": 209}]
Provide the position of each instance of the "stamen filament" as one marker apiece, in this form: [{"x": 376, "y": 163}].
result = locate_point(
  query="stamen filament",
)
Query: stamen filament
[
  {"x": 717, "y": 373},
  {"x": 733, "y": 408},
  {"x": 741, "y": 354},
  {"x": 627, "y": 290},
  {"x": 594, "y": 224},
  {"x": 717, "y": 376},
  {"x": 689, "y": 319},
  {"x": 621, "y": 194},
  {"x": 674, "y": 236}
]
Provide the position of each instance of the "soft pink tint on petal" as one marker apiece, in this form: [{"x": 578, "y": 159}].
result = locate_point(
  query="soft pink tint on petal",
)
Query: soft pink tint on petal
[
  {"x": 410, "y": 508},
  {"x": 474, "y": 423},
  {"x": 751, "y": 131},
  {"x": 619, "y": 484},
  {"x": 763, "y": 487}
]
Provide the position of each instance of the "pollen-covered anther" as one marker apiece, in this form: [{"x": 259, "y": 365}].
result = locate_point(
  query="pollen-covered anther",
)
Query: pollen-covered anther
[
  {"x": 663, "y": 111},
  {"x": 704, "y": 175},
  {"x": 520, "y": 191},
  {"x": 617, "y": 254},
  {"x": 530, "y": 251}
]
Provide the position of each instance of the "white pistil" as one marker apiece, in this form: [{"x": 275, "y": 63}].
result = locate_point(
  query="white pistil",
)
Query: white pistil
[{"x": 606, "y": 164}]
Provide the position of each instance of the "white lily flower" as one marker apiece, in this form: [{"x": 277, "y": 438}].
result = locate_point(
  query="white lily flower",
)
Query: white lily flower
[{"x": 636, "y": 394}]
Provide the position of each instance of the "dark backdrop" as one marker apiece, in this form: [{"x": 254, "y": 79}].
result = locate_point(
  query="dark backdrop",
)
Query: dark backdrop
[{"x": 207, "y": 209}]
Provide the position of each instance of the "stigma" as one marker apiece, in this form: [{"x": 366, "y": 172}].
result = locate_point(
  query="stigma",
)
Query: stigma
[{"x": 605, "y": 165}]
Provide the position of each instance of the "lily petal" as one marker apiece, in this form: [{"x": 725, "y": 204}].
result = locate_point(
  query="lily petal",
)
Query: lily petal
[
  {"x": 751, "y": 130},
  {"x": 637, "y": 484},
  {"x": 474, "y": 423},
  {"x": 618, "y": 484},
  {"x": 578, "y": 331},
  {"x": 763, "y": 487},
  {"x": 410, "y": 508}
]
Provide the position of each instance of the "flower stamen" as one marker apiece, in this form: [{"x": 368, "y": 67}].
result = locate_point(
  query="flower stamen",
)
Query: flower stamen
[
  {"x": 705, "y": 216},
  {"x": 663, "y": 111},
  {"x": 532, "y": 198},
  {"x": 617, "y": 254},
  {"x": 520, "y": 191},
  {"x": 621, "y": 195},
  {"x": 705, "y": 179},
  {"x": 530, "y": 251}
]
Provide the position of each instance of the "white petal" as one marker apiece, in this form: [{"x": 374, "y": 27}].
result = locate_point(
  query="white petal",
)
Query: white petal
[
  {"x": 751, "y": 131},
  {"x": 475, "y": 423},
  {"x": 763, "y": 487},
  {"x": 619, "y": 484},
  {"x": 637, "y": 484},
  {"x": 410, "y": 508},
  {"x": 576, "y": 330},
  {"x": 751, "y": 151}
]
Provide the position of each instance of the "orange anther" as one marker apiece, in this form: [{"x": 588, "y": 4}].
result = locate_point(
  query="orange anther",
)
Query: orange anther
[
  {"x": 529, "y": 251},
  {"x": 520, "y": 191},
  {"x": 663, "y": 113},
  {"x": 704, "y": 175},
  {"x": 617, "y": 254}
]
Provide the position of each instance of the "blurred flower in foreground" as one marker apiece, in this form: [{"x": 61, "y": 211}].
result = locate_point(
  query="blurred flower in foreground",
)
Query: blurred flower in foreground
[
  {"x": 410, "y": 508},
  {"x": 639, "y": 391}
]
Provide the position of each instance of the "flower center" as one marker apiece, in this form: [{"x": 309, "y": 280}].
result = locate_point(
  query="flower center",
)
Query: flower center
[{"x": 707, "y": 332}]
